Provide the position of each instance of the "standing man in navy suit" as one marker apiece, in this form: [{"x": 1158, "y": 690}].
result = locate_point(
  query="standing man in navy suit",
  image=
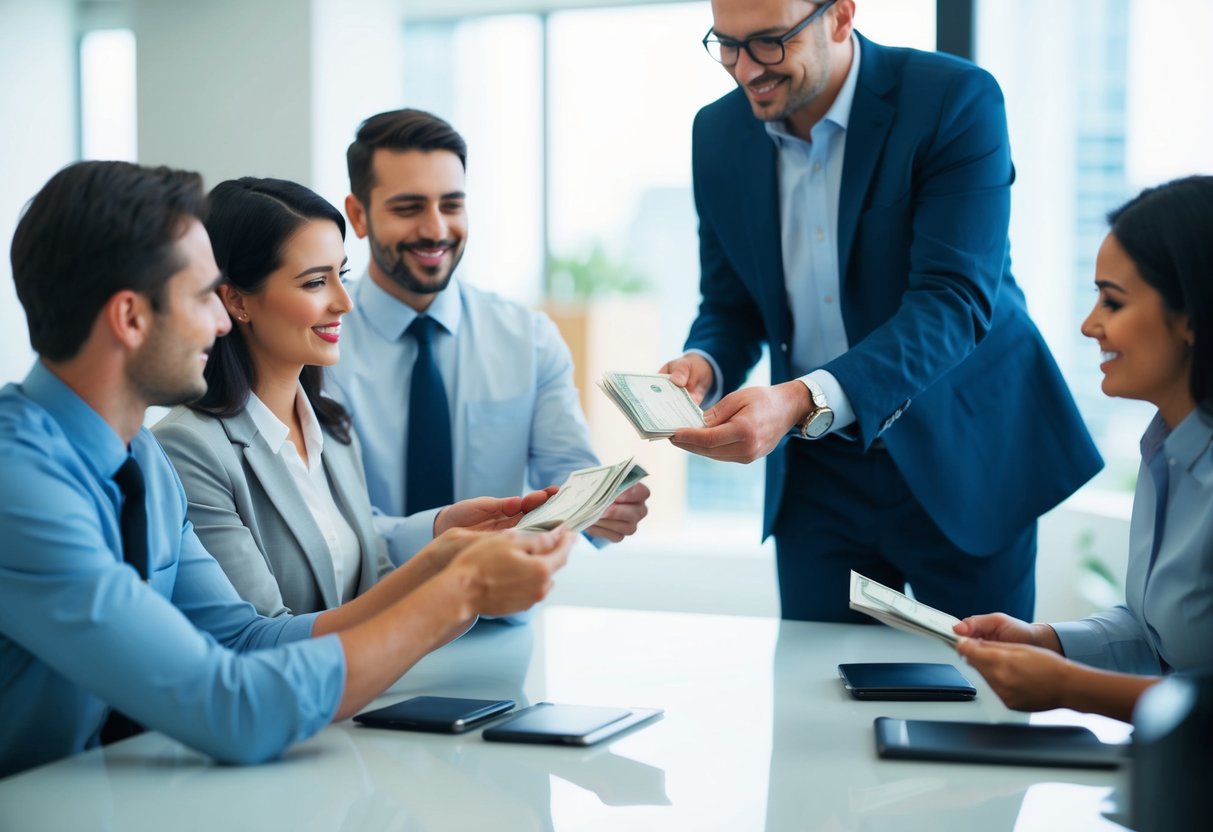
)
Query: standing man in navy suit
[{"x": 853, "y": 203}]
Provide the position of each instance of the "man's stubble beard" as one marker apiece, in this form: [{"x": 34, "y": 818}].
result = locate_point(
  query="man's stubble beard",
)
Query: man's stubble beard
[
  {"x": 159, "y": 378},
  {"x": 805, "y": 97},
  {"x": 396, "y": 270}
]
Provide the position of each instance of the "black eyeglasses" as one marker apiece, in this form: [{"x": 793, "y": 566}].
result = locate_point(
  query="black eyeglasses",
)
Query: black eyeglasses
[{"x": 766, "y": 49}]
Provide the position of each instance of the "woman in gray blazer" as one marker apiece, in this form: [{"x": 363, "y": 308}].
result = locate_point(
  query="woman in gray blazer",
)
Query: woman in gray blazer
[{"x": 270, "y": 465}]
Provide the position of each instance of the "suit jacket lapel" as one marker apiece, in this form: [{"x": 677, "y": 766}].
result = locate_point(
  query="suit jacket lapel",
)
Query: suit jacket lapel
[
  {"x": 867, "y": 129},
  {"x": 759, "y": 202},
  {"x": 276, "y": 481}
]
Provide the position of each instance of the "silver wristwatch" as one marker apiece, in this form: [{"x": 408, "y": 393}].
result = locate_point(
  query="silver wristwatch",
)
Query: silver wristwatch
[{"x": 817, "y": 424}]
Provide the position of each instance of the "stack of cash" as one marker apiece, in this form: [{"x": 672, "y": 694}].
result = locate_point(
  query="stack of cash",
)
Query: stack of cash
[
  {"x": 897, "y": 610},
  {"x": 584, "y": 496},
  {"x": 653, "y": 404}
]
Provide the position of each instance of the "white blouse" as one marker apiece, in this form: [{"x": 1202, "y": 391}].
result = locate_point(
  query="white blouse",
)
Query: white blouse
[{"x": 313, "y": 484}]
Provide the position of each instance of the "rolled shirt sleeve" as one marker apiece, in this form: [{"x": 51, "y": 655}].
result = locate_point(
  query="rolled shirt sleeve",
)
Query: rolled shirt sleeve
[{"x": 1111, "y": 640}]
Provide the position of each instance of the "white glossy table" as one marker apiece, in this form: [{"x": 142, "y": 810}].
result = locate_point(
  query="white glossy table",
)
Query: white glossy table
[{"x": 758, "y": 733}]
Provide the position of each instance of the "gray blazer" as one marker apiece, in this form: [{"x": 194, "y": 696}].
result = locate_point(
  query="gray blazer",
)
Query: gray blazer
[{"x": 250, "y": 516}]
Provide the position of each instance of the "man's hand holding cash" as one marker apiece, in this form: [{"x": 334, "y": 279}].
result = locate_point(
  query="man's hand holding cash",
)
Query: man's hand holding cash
[
  {"x": 655, "y": 406},
  {"x": 584, "y": 497}
]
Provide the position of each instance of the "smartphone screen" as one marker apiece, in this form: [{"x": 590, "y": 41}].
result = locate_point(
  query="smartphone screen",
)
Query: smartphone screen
[{"x": 443, "y": 714}]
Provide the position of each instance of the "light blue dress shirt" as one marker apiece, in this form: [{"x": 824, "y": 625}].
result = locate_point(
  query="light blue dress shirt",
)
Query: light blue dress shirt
[
  {"x": 80, "y": 632},
  {"x": 1166, "y": 622},
  {"x": 517, "y": 420},
  {"x": 810, "y": 184}
]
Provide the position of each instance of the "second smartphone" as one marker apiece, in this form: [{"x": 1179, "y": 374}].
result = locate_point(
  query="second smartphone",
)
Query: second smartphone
[{"x": 438, "y": 714}]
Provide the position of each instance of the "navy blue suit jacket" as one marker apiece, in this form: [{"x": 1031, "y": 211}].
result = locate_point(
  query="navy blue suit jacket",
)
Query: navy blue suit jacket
[{"x": 944, "y": 363}]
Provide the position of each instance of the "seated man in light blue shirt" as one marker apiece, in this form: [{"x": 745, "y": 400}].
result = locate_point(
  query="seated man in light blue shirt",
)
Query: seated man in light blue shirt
[
  {"x": 107, "y": 599},
  {"x": 504, "y": 417}
]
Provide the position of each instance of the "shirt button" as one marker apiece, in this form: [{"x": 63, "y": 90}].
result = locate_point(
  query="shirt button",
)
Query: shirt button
[
  {"x": 783, "y": 347},
  {"x": 817, "y": 167},
  {"x": 821, "y": 233}
]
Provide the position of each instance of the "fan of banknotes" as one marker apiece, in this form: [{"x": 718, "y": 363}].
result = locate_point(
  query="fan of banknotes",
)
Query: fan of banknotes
[
  {"x": 584, "y": 496},
  {"x": 897, "y": 610},
  {"x": 654, "y": 405}
]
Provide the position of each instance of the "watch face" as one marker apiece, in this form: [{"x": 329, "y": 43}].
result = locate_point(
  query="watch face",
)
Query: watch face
[{"x": 819, "y": 423}]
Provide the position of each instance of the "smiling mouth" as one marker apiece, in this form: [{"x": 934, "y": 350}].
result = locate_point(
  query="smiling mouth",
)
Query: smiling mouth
[
  {"x": 428, "y": 256},
  {"x": 764, "y": 86},
  {"x": 329, "y": 332}
]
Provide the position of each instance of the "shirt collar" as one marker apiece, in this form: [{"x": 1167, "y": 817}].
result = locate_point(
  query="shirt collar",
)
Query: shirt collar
[
  {"x": 98, "y": 443},
  {"x": 1191, "y": 439},
  {"x": 839, "y": 112},
  {"x": 390, "y": 316},
  {"x": 274, "y": 431}
]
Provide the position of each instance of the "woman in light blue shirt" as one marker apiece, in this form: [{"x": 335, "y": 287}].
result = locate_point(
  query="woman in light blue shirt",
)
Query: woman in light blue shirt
[
  {"x": 1154, "y": 324},
  {"x": 270, "y": 464}
]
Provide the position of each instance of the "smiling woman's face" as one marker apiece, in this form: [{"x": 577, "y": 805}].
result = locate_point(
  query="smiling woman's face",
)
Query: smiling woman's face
[
  {"x": 1145, "y": 347},
  {"x": 295, "y": 318}
]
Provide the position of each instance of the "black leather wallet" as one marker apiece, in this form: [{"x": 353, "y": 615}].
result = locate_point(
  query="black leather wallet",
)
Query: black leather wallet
[{"x": 906, "y": 681}]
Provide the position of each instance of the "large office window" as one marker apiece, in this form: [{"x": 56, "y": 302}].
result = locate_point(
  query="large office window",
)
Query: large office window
[
  {"x": 107, "y": 95},
  {"x": 1107, "y": 100},
  {"x": 598, "y": 103}
]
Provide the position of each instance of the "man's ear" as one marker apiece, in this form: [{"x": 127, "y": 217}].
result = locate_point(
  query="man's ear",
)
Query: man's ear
[
  {"x": 357, "y": 214},
  {"x": 233, "y": 302},
  {"x": 844, "y": 20},
  {"x": 128, "y": 317}
]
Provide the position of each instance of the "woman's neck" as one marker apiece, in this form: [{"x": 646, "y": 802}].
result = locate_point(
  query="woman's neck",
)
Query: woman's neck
[
  {"x": 1175, "y": 411},
  {"x": 277, "y": 388}
]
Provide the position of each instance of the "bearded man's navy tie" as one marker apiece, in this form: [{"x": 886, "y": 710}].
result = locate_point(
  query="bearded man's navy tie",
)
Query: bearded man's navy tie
[{"x": 429, "y": 480}]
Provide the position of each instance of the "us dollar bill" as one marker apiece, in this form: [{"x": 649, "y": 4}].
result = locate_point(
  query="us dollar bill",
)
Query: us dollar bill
[
  {"x": 897, "y": 610},
  {"x": 654, "y": 405}
]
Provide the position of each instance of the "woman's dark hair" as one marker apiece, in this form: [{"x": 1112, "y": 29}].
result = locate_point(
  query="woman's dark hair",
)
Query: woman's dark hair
[
  {"x": 249, "y": 221},
  {"x": 96, "y": 229},
  {"x": 1168, "y": 233}
]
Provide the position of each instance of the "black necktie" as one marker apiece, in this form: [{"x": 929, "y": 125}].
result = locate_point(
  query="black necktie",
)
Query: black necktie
[
  {"x": 429, "y": 481},
  {"x": 134, "y": 516},
  {"x": 133, "y": 524}
]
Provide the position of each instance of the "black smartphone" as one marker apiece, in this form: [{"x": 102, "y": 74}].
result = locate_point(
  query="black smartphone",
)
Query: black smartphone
[
  {"x": 438, "y": 714},
  {"x": 567, "y": 724},
  {"x": 924, "y": 681}
]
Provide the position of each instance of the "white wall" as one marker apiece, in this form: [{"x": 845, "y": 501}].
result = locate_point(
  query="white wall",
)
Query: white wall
[
  {"x": 223, "y": 87},
  {"x": 37, "y": 137}
]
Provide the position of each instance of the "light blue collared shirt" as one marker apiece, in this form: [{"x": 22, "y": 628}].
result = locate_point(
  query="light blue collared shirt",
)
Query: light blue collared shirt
[
  {"x": 1166, "y": 622},
  {"x": 80, "y": 632},
  {"x": 516, "y": 417},
  {"x": 810, "y": 184}
]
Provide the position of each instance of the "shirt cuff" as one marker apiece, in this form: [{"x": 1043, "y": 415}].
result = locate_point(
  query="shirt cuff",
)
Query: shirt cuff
[
  {"x": 406, "y": 536},
  {"x": 1081, "y": 641},
  {"x": 836, "y": 399},
  {"x": 714, "y": 393}
]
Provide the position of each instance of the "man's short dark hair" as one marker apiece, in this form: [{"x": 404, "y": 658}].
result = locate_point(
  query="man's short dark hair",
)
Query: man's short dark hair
[
  {"x": 397, "y": 130},
  {"x": 95, "y": 229}
]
